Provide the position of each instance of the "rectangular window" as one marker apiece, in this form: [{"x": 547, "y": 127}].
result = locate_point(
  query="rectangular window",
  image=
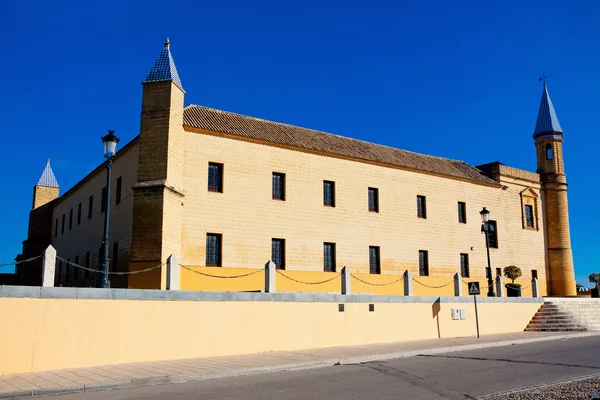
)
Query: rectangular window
[
  {"x": 79, "y": 214},
  {"x": 278, "y": 253},
  {"x": 103, "y": 200},
  {"x": 278, "y": 186},
  {"x": 498, "y": 271},
  {"x": 534, "y": 274},
  {"x": 213, "y": 249},
  {"x": 114, "y": 265},
  {"x": 423, "y": 263},
  {"x": 215, "y": 177},
  {"x": 464, "y": 265},
  {"x": 421, "y": 207},
  {"x": 56, "y": 228},
  {"x": 90, "y": 207},
  {"x": 71, "y": 219},
  {"x": 529, "y": 216},
  {"x": 462, "y": 212},
  {"x": 493, "y": 235},
  {"x": 373, "y": 199},
  {"x": 374, "y": 266},
  {"x": 76, "y": 273},
  {"x": 329, "y": 193},
  {"x": 119, "y": 188},
  {"x": 329, "y": 257},
  {"x": 67, "y": 269},
  {"x": 62, "y": 229},
  {"x": 87, "y": 264}
]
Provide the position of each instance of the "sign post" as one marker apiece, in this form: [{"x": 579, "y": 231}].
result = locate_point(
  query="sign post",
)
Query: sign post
[{"x": 474, "y": 290}]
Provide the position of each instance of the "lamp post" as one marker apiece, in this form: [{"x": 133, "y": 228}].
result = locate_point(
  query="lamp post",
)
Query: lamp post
[
  {"x": 110, "y": 142},
  {"x": 487, "y": 228}
]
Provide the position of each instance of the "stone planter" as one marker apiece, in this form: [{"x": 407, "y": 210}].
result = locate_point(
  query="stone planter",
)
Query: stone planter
[{"x": 595, "y": 292}]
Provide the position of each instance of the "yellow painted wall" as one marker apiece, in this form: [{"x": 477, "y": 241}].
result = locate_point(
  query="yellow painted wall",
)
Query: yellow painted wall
[
  {"x": 197, "y": 278},
  {"x": 392, "y": 285},
  {"x": 43, "y": 334}
]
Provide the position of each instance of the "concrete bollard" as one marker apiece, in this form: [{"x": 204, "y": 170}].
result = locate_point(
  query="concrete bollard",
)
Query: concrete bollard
[
  {"x": 457, "y": 285},
  {"x": 408, "y": 283},
  {"x": 49, "y": 266},
  {"x": 499, "y": 286},
  {"x": 270, "y": 277},
  {"x": 346, "y": 281},
  {"x": 173, "y": 280},
  {"x": 535, "y": 289}
]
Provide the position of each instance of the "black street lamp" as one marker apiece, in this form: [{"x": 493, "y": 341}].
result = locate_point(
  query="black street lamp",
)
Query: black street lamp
[
  {"x": 110, "y": 142},
  {"x": 487, "y": 228}
]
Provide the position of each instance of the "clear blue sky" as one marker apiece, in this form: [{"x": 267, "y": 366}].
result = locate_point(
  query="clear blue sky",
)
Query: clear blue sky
[{"x": 452, "y": 79}]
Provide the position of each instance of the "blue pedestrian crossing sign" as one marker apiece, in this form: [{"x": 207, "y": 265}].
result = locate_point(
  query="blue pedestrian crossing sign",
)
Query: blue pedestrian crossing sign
[{"x": 474, "y": 288}]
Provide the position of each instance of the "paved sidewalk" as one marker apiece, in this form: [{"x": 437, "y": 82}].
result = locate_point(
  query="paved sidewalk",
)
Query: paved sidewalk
[{"x": 174, "y": 371}]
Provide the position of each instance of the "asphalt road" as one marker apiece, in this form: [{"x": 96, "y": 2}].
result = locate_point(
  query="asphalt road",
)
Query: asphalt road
[{"x": 460, "y": 375}]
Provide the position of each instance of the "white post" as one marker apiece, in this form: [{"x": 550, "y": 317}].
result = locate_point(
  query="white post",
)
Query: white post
[
  {"x": 457, "y": 285},
  {"x": 270, "y": 277},
  {"x": 408, "y": 284},
  {"x": 49, "y": 266},
  {"x": 499, "y": 287},
  {"x": 173, "y": 280},
  {"x": 346, "y": 281},
  {"x": 535, "y": 290}
]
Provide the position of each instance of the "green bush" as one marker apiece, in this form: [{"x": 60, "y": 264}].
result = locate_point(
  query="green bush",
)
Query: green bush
[
  {"x": 595, "y": 278},
  {"x": 513, "y": 272}
]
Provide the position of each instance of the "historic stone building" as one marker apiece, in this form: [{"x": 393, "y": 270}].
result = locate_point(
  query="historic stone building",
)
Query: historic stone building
[{"x": 227, "y": 190}]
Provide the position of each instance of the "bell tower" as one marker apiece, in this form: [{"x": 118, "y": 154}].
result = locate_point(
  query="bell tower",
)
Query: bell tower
[{"x": 548, "y": 138}]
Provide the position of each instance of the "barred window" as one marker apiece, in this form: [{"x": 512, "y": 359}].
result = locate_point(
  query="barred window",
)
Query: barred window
[
  {"x": 329, "y": 193},
  {"x": 62, "y": 229},
  {"x": 213, "y": 249},
  {"x": 529, "y": 216},
  {"x": 103, "y": 200},
  {"x": 119, "y": 189},
  {"x": 464, "y": 265},
  {"x": 493, "y": 235},
  {"x": 462, "y": 212},
  {"x": 423, "y": 263},
  {"x": 76, "y": 273},
  {"x": 374, "y": 265},
  {"x": 373, "y": 199},
  {"x": 114, "y": 265},
  {"x": 90, "y": 206},
  {"x": 215, "y": 177},
  {"x": 421, "y": 207},
  {"x": 71, "y": 219},
  {"x": 56, "y": 228},
  {"x": 329, "y": 257},
  {"x": 79, "y": 214},
  {"x": 278, "y": 253},
  {"x": 278, "y": 186}
]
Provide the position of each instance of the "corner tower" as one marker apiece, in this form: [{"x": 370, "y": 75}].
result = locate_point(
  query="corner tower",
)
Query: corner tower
[
  {"x": 548, "y": 137},
  {"x": 46, "y": 189},
  {"x": 158, "y": 192}
]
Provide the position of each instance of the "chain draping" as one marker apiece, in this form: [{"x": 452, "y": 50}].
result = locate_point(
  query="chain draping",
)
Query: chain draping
[
  {"x": 307, "y": 283},
  {"x": 376, "y": 284},
  {"x": 433, "y": 287},
  {"x": 20, "y": 262},
  {"x": 109, "y": 272},
  {"x": 218, "y": 276}
]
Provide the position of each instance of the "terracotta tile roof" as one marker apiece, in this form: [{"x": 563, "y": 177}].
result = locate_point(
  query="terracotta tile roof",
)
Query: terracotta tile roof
[{"x": 276, "y": 133}]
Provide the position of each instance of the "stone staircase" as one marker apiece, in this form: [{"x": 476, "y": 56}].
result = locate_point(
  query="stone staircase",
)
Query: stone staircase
[{"x": 566, "y": 315}]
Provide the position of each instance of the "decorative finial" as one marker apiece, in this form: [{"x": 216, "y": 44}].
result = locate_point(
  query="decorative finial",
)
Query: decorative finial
[
  {"x": 48, "y": 162},
  {"x": 543, "y": 79},
  {"x": 167, "y": 43}
]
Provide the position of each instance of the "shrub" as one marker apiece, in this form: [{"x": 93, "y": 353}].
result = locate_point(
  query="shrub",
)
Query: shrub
[
  {"x": 512, "y": 272},
  {"x": 595, "y": 278}
]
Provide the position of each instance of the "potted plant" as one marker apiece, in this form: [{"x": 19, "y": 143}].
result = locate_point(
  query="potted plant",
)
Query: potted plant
[
  {"x": 513, "y": 289},
  {"x": 595, "y": 278}
]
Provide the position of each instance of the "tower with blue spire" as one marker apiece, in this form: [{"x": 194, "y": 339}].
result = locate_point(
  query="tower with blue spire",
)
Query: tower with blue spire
[
  {"x": 46, "y": 189},
  {"x": 158, "y": 191},
  {"x": 548, "y": 138}
]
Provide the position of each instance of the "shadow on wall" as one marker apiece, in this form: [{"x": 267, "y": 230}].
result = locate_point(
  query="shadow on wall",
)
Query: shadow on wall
[{"x": 435, "y": 310}]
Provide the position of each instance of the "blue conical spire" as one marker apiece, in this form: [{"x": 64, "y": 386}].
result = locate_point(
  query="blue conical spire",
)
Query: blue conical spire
[
  {"x": 47, "y": 179},
  {"x": 164, "y": 67},
  {"x": 547, "y": 121}
]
